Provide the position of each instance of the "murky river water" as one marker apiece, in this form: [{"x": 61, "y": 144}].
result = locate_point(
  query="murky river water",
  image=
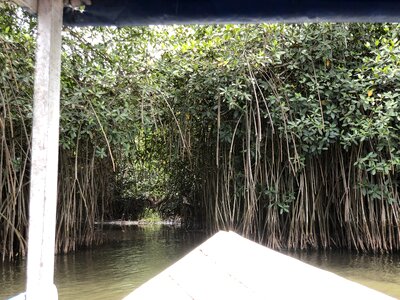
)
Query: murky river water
[{"x": 136, "y": 254}]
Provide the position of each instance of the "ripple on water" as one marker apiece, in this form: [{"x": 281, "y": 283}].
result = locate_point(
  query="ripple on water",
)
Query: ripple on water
[
  {"x": 133, "y": 255},
  {"x": 380, "y": 272}
]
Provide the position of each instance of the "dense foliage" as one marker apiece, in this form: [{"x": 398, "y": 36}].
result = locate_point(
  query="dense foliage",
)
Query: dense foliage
[
  {"x": 291, "y": 132},
  {"x": 288, "y": 134}
]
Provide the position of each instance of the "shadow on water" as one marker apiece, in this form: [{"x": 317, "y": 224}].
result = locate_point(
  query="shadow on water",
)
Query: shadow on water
[{"x": 134, "y": 254}]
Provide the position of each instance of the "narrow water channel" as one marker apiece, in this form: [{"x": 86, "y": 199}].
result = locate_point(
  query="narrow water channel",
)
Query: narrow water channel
[
  {"x": 111, "y": 271},
  {"x": 135, "y": 254}
]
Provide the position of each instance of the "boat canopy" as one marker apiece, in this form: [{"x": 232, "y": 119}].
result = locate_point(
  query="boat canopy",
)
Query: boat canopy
[{"x": 148, "y": 12}]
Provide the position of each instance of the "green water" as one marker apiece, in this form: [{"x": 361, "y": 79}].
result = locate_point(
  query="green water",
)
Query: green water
[
  {"x": 380, "y": 272},
  {"x": 111, "y": 271},
  {"x": 135, "y": 254}
]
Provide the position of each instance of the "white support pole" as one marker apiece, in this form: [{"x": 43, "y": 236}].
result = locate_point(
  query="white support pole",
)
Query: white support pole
[{"x": 44, "y": 168}]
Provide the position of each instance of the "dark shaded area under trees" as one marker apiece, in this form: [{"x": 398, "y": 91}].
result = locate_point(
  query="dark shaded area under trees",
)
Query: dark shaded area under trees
[{"x": 288, "y": 134}]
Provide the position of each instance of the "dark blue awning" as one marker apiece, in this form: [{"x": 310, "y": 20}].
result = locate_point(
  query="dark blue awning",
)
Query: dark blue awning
[{"x": 145, "y": 12}]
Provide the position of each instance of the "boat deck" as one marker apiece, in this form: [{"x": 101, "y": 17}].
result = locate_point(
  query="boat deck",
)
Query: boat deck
[{"x": 228, "y": 266}]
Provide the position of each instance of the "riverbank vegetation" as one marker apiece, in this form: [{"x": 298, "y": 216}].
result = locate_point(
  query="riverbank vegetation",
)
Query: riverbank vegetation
[{"x": 288, "y": 134}]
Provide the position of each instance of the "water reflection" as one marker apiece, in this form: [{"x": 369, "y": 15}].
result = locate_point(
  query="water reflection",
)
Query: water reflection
[
  {"x": 134, "y": 254},
  {"x": 131, "y": 256},
  {"x": 380, "y": 272},
  {"x": 12, "y": 278}
]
